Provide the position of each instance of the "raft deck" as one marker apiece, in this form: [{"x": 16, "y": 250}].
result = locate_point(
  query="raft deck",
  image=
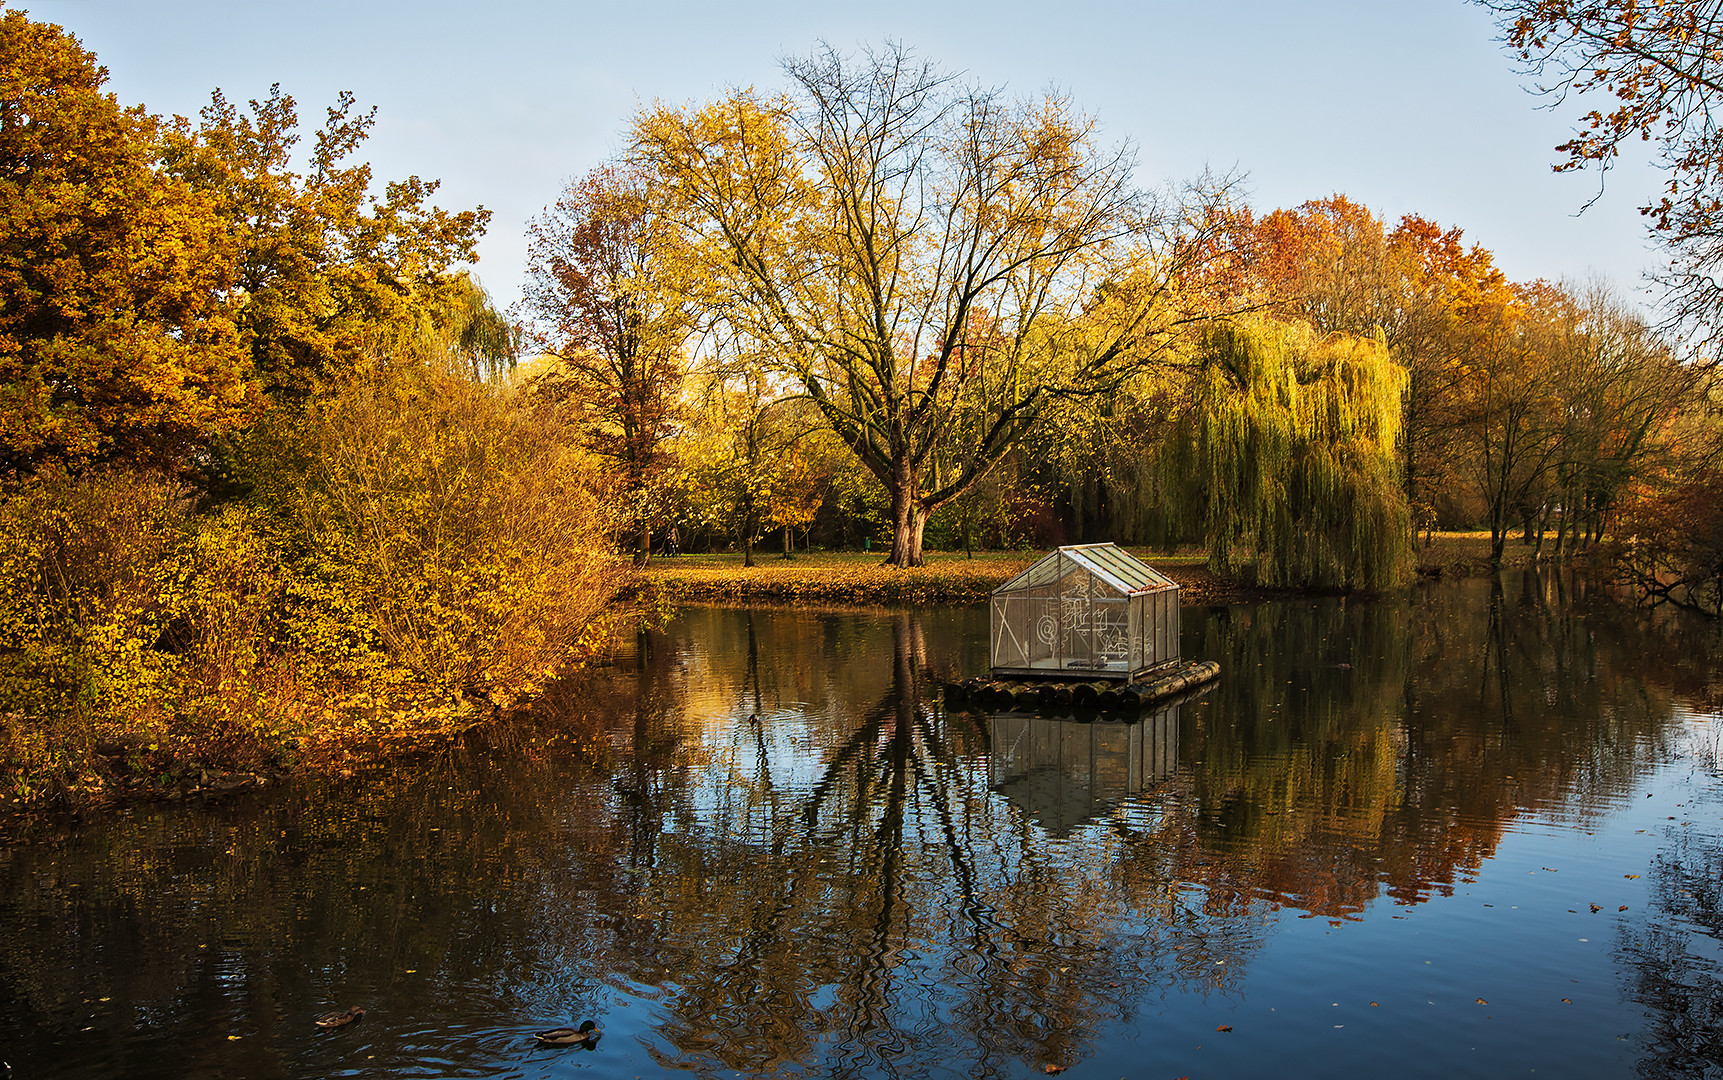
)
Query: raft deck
[{"x": 1003, "y": 692}]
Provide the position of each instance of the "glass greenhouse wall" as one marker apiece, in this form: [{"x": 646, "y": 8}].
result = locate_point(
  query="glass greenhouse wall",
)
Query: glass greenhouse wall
[{"x": 1091, "y": 610}]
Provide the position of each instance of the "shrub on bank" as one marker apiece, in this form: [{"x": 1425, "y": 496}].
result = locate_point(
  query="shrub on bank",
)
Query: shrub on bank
[{"x": 415, "y": 551}]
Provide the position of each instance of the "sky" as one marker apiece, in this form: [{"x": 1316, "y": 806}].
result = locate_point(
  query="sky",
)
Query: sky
[{"x": 1405, "y": 106}]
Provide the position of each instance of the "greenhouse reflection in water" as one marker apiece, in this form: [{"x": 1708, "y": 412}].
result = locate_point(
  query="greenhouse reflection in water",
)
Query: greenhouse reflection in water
[{"x": 1061, "y": 772}]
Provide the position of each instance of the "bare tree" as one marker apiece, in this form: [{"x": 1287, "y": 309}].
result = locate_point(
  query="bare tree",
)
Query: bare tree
[{"x": 931, "y": 261}]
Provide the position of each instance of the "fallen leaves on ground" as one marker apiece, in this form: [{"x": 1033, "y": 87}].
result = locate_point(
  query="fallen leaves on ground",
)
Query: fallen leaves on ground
[{"x": 856, "y": 578}]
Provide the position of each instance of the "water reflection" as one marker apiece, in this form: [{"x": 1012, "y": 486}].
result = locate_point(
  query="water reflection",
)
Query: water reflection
[
  {"x": 760, "y": 843},
  {"x": 1061, "y": 772},
  {"x": 854, "y": 895}
]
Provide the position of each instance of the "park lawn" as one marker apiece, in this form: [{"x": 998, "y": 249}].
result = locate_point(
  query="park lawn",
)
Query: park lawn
[
  {"x": 841, "y": 577},
  {"x": 1469, "y": 552},
  {"x": 854, "y": 577}
]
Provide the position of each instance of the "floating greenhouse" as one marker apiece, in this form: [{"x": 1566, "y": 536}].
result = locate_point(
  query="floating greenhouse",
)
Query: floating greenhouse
[{"x": 1090, "y": 611}]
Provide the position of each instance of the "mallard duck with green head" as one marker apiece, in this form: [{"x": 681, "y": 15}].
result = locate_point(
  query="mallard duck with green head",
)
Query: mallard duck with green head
[{"x": 587, "y": 1033}]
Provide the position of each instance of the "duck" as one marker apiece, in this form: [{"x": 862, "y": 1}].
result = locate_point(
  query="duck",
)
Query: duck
[
  {"x": 340, "y": 1019},
  {"x": 587, "y": 1033}
]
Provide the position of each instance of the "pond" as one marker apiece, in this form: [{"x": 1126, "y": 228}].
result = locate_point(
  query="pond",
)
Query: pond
[{"x": 1474, "y": 830}]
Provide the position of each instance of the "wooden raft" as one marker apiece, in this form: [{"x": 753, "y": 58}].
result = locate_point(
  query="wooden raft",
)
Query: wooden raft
[{"x": 994, "y": 692}]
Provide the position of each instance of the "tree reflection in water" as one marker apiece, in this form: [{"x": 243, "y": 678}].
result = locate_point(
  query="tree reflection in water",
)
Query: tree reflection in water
[{"x": 879, "y": 911}]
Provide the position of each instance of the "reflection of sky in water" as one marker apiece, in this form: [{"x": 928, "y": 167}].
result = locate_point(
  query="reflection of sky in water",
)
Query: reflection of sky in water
[{"x": 1382, "y": 813}]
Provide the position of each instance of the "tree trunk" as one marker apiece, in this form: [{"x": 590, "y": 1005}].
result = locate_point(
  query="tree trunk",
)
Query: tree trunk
[
  {"x": 644, "y": 555},
  {"x": 787, "y": 554},
  {"x": 906, "y": 538},
  {"x": 907, "y": 519},
  {"x": 1561, "y": 527},
  {"x": 906, "y": 532},
  {"x": 747, "y": 549}
]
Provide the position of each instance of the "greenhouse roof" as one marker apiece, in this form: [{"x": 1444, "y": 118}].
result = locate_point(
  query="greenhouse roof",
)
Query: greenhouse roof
[{"x": 1109, "y": 562}]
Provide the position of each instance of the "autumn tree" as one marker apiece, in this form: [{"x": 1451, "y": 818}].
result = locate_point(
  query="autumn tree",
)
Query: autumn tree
[
  {"x": 1622, "y": 395},
  {"x": 465, "y": 321},
  {"x": 327, "y": 278},
  {"x": 932, "y": 262},
  {"x": 1335, "y": 265},
  {"x": 115, "y": 340},
  {"x": 1660, "y": 67},
  {"x": 1513, "y": 406},
  {"x": 1285, "y": 459},
  {"x": 610, "y": 301},
  {"x": 753, "y": 454}
]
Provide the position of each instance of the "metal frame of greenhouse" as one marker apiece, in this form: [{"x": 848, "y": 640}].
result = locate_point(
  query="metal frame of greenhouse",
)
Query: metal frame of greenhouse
[{"x": 1092, "y": 611}]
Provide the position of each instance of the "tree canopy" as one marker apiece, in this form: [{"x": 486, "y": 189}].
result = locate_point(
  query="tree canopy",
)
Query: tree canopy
[
  {"x": 324, "y": 274},
  {"x": 115, "y": 337},
  {"x": 931, "y": 261},
  {"x": 611, "y": 302},
  {"x": 1288, "y": 456}
]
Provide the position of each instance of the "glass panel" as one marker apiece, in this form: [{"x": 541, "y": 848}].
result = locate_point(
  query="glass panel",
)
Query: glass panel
[
  {"x": 1126, "y": 571},
  {"x": 1112, "y": 637},
  {"x": 1041, "y": 573},
  {"x": 1041, "y": 625},
  {"x": 1076, "y": 618},
  {"x": 1009, "y": 623},
  {"x": 1134, "y": 633}
]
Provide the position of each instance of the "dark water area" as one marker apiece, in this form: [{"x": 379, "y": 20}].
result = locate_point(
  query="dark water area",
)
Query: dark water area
[{"x": 1477, "y": 830}]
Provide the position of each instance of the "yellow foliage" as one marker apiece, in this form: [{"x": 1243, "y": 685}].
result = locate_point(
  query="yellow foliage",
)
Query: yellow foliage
[{"x": 418, "y": 551}]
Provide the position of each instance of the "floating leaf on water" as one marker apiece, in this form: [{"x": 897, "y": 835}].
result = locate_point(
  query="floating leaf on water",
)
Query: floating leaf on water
[
  {"x": 1224, "y": 1027},
  {"x": 1481, "y": 1001}
]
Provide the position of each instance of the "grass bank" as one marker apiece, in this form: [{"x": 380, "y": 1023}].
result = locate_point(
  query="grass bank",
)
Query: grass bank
[
  {"x": 954, "y": 578},
  {"x": 858, "y": 578}
]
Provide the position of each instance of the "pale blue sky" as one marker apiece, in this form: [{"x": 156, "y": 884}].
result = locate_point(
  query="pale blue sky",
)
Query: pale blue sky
[{"x": 1404, "y": 106}]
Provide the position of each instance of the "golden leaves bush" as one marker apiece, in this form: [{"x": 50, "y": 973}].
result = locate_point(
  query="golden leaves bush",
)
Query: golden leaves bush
[
  {"x": 470, "y": 526},
  {"x": 416, "y": 551}
]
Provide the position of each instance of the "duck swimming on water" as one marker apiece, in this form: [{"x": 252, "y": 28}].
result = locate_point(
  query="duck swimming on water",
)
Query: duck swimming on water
[
  {"x": 340, "y": 1019},
  {"x": 587, "y": 1033}
]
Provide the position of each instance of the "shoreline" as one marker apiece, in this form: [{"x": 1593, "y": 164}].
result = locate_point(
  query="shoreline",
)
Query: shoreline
[
  {"x": 852, "y": 580},
  {"x": 857, "y": 579}
]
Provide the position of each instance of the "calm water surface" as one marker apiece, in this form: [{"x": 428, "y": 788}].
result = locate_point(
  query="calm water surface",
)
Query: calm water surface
[{"x": 1476, "y": 831}]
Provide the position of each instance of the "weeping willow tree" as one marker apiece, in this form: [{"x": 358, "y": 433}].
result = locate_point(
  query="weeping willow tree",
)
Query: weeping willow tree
[
  {"x": 1286, "y": 458},
  {"x": 462, "y": 320}
]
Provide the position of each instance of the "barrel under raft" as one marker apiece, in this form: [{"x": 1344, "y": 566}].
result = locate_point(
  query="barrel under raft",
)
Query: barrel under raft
[{"x": 1030, "y": 694}]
